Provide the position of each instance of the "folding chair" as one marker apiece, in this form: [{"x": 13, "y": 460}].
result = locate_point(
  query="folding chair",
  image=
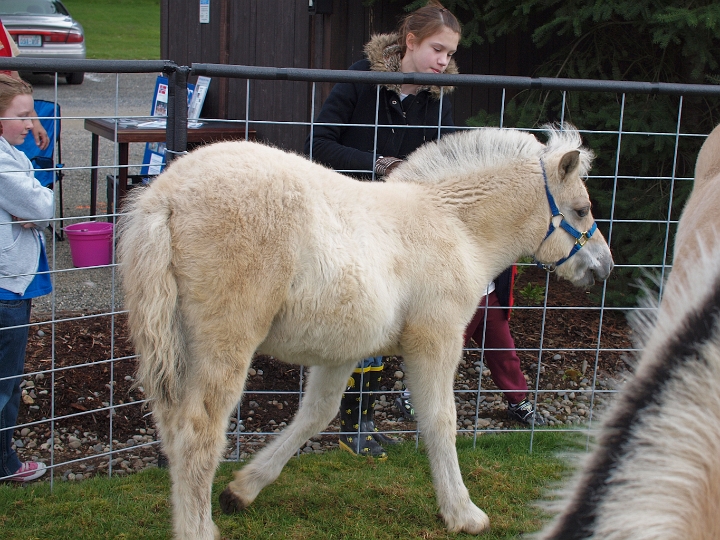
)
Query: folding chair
[{"x": 44, "y": 160}]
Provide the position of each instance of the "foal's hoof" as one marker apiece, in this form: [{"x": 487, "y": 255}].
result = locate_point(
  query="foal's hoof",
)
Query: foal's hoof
[
  {"x": 230, "y": 503},
  {"x": 472, "y": 521}
]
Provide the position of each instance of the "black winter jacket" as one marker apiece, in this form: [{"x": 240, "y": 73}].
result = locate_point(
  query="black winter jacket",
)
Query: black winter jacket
[{"x": 346, "y": 147}]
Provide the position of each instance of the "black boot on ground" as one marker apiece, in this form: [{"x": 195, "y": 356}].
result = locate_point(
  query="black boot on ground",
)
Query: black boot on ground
[
  {"x": 353, "y": 439},
  {"x": 367, "y": 420}
]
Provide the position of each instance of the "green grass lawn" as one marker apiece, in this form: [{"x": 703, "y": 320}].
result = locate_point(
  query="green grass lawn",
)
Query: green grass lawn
[
  {"x": 329, "y": 496},
  {"x": 119, "y": 29}
]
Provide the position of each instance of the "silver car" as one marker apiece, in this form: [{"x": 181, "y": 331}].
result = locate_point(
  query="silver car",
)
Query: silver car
[{"x": 44, "y": 29}]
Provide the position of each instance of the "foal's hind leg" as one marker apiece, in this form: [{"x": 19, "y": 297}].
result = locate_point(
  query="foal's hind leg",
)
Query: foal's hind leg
[
  {"x": 193, "y": 435},
  {"x": 320, "y": 405},
  {"x": 430, "y": 370}
]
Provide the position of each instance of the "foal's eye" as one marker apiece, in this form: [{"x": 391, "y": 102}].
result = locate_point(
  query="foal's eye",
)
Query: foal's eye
[{"x": 582, "y": 212}]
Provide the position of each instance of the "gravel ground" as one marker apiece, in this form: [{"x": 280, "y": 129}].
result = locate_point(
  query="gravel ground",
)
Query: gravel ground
[
  {"x": 88, "y": 452},
  {"x": 100, "y": 95}
]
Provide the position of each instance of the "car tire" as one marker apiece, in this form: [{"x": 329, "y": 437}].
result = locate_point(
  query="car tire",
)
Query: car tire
[{"x": 75, "y": 78}]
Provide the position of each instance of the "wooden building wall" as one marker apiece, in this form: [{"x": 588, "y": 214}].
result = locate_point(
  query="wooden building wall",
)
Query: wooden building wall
[{"x": 282, "y": 33}]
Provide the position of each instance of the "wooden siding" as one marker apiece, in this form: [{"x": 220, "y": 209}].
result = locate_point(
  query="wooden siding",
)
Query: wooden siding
[{"x": 281, "y": 33}]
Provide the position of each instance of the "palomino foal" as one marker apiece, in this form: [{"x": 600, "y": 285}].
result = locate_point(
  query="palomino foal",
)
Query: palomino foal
[{"x": 239, "y": 247}]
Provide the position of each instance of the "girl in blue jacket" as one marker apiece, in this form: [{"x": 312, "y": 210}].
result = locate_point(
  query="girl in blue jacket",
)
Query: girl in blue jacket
[{"x": 25, "y": 209}]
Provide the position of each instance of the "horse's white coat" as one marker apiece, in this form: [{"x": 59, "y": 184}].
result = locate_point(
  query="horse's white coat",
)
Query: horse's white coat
[
  {"x": 240, "y": 247},
  {"x": 664, "y": 482}
]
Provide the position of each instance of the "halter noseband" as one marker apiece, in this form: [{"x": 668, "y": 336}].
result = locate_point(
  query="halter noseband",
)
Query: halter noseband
[{"x": 580, "y": 237}]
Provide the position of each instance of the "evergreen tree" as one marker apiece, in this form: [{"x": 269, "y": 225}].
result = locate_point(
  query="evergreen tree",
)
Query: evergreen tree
[{"x": 629, "y": 40}]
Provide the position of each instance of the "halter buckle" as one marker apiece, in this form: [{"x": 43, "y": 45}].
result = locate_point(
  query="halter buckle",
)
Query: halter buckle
[{"x": 549, "y": 268}]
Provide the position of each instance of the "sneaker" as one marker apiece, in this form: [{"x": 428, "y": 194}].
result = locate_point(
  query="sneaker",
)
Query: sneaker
[
  {"x": 29, "y": 470},
  {"x": 403, "y": 405},
  {"x": 525, "y": 412}
]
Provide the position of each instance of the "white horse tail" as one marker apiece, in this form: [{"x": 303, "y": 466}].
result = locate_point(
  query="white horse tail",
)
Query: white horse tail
[{"x": 151, "y": 294}]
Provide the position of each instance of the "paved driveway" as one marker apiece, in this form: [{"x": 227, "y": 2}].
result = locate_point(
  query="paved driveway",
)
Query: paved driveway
[{"x": 97, "y": 95}]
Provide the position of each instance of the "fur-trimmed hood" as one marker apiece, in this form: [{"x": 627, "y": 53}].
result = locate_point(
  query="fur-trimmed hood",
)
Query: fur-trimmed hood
[{"x": 383, "y": 52}]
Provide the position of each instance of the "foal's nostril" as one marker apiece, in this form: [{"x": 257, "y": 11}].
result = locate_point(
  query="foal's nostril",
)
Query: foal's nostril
[{"x": 603, "y": 273}]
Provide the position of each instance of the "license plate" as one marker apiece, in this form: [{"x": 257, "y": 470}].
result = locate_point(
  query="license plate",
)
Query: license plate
[{"x": 29, "y": 41}]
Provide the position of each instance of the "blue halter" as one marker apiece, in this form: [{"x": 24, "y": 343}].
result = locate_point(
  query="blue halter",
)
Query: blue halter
[{"x": 580, "y": 237}]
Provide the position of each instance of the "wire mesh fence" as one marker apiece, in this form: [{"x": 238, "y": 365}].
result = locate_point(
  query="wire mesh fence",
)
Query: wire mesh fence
[{"x": 82, "y": 412}]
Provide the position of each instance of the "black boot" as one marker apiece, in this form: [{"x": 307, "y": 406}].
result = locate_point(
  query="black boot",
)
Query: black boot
[
  {"x": 367, "y": 420},
  {"x": 353, "y": 439},
  {"x": 403, "y": 405}
]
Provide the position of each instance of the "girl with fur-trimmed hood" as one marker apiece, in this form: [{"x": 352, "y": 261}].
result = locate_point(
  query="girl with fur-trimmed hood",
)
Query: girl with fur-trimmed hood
[{"x": 424, "y": 43}]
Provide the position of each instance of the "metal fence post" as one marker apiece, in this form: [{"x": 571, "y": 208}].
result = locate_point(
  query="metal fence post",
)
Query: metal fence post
[{"x": 176, "y": 128}]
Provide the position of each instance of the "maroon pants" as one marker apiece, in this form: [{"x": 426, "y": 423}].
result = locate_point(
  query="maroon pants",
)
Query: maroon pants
[{"x": 494, "y": 333}]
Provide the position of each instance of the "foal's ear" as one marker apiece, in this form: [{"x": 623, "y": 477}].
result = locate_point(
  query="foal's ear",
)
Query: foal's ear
[{"x": 568, "y": 163}]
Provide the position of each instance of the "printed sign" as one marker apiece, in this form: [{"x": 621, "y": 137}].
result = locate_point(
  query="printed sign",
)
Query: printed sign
[{"x": 154, "y": 158}]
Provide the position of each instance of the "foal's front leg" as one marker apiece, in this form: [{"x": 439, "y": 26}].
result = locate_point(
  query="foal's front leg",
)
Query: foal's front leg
[
  {"x": 430, "y": 379},
  {"x": 320, "y": 405}
]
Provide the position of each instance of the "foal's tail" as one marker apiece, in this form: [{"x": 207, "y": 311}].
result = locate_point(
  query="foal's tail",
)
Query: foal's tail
[{"x": 151, "y": 294}]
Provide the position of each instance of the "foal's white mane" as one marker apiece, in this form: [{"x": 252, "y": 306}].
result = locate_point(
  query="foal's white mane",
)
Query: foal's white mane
[{"x": 473, "y": 150}]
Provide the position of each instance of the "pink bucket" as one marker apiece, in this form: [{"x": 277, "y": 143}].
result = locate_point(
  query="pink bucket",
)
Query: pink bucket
[{"x": 90, "y": 243}]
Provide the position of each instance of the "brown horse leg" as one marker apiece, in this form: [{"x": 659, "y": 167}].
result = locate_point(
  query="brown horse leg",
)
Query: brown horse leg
[
  {"x": 319, "y": 406},
  {"x": 430, "y": 363},
  {"x": 193, "y": 435}
]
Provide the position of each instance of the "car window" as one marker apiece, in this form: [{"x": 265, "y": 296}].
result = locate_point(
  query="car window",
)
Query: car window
[{"x": 25, "y": 7}]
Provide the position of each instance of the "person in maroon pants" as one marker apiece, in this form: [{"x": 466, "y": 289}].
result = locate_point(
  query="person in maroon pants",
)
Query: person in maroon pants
[{"x": 490, "y": 329}]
